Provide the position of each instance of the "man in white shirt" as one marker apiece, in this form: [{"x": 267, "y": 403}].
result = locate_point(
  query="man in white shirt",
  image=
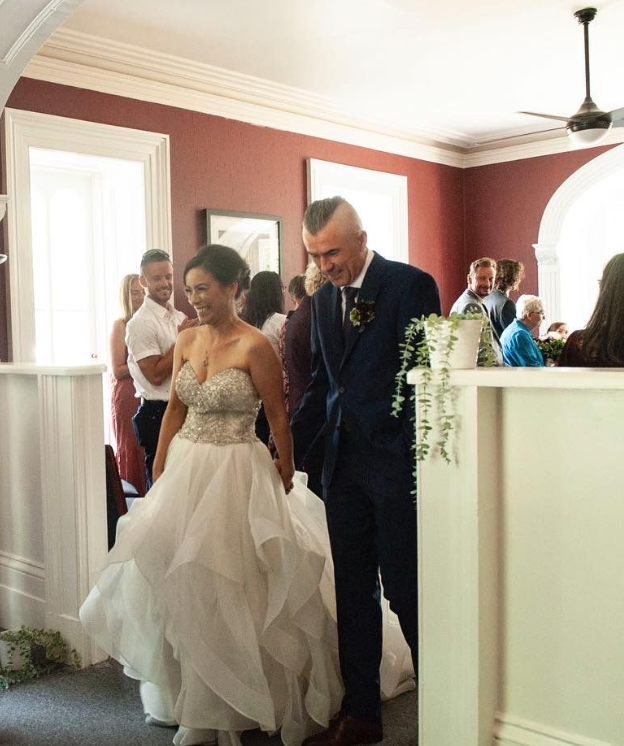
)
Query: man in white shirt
[{"x": 150, "y": 337}]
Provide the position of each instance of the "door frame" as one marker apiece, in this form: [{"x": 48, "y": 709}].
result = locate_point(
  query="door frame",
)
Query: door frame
[{"x": 26, "y": 129}]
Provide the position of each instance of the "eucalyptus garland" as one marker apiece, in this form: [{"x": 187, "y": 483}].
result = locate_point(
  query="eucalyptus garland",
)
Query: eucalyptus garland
[{"x": 415, "y": 352}]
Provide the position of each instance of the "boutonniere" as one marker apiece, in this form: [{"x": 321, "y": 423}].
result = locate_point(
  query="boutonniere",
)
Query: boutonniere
[{"x": 362, "y": 313}]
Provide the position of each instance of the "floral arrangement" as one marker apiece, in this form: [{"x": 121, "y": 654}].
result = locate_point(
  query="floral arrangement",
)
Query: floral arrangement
[
  {"x": 29, "y": 653},
  {"x": 415, "y": 352},
  {"x": 362, "y": 313},
  {"x": 551, "y": 348}
]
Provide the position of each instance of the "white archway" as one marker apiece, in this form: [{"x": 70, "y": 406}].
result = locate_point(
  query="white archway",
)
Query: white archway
[{"x": 551, "y": 245}]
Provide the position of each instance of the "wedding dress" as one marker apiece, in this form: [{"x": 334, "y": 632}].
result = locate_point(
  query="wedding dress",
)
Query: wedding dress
[{"x": 218, "y": 594}]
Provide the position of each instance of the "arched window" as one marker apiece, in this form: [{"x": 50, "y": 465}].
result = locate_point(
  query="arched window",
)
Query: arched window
[{"x": 581, "y": 229}]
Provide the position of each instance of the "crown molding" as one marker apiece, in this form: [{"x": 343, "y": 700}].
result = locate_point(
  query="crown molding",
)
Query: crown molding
[
  {"x": 526, "y": 146},
  {"x": 84, "y": 61},
  {"x": 32, "y": 29}
]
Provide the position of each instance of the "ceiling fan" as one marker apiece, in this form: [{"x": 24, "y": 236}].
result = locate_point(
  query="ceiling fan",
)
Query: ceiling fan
[{"x": 590, "y": 124}]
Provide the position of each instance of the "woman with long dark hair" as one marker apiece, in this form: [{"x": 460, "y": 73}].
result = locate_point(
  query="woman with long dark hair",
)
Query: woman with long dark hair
[
  {"x": 601, "y": 343},
  {"x": 264, "y": 309},
  {"x": 264, "y": 305}
]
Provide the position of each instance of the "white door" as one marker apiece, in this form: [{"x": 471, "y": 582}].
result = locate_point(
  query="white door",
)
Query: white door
[{"x": 88, "y": 231}]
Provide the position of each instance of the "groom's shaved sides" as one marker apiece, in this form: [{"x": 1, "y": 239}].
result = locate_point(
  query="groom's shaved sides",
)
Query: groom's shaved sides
[{"x": 319, "y": 213}]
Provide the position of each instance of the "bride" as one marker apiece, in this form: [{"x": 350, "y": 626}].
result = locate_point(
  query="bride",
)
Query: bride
[{"x": 218, "y": 595}]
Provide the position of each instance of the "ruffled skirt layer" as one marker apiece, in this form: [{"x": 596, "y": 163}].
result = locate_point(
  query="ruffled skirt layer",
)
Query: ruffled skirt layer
[{"x": 218, "y": 595}]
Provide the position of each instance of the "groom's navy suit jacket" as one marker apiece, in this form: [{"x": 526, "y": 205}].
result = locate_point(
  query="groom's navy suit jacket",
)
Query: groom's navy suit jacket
[{"x": 353, "y": 383}]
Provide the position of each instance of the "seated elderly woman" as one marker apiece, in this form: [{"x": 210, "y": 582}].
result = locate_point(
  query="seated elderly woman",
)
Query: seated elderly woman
[{"x": 519, "y": 347}]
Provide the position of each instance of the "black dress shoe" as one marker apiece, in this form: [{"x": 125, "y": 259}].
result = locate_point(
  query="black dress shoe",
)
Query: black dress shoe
[{"x": 346, "y": 730}]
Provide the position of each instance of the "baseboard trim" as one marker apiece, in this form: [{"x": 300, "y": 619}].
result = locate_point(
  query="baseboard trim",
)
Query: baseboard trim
[{"x": 515, "y": 731}]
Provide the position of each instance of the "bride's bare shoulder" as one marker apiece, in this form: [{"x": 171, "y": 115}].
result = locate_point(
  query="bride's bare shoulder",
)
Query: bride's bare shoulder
[
  {"x": 188, "y": 336},
  {"x": 252, "y": 339}
]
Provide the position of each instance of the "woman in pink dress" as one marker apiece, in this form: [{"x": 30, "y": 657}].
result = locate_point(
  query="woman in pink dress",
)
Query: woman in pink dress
[{"x": 124, "y": 404}]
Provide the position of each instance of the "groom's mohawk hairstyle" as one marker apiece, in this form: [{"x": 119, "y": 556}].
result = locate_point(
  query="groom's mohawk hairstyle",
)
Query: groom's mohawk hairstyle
[{"x": 319, "y": 213}]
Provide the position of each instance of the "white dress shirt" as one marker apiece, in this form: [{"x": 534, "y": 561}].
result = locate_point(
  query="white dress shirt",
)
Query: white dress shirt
[
  {"x": 152, "y": 330},
  {"x": 359, "y": 280}
]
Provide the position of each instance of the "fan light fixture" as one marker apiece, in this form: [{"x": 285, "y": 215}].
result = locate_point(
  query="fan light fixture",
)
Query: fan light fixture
[
  {"x": 3, "y": 258},
  {"x": 590, "y": 125},
  {"x": 586, "y": 138}
]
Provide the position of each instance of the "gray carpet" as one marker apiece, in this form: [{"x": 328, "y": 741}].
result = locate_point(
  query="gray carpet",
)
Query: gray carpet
[{"x": 99, "y": 706}]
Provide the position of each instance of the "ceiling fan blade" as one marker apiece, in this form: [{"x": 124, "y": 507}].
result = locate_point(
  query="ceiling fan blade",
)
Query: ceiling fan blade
[
  {"x": 617, "y": 117},
  {"x": 545, "y": 116},
  {"x": 540, "y": 133}
]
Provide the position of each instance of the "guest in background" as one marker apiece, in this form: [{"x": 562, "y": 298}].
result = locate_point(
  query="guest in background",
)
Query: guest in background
[
  {"x": 264, "y": 305},
  {"x": 297, "y": 351},
  {"x": 501, "y": 309},
  {"x": 519, "y": 348},
  {"x": 297, "y": 362},
  {"x": 124, "y": 404},
  {"x": 601, "y": 343},
  {"x": 150, "y": 336},
  {"x": 297, "y": 291},
  {"x": 481, "y": 278},
  {"x": 264, "y": 309},
  {"x": 557, "y": 330}
]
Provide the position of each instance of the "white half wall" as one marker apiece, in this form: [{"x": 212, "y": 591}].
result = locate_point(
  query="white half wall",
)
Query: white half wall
[
  {"x": 520, "y": 561},
  {"x": 53, "y": 531}
]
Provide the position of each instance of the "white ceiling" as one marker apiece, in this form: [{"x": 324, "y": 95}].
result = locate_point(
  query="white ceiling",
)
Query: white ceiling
[{"x": 453, "y": 70}]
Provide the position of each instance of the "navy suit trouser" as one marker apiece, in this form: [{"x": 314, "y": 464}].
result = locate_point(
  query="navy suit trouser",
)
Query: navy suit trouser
[
  {"x": 146, "y": 423},
  {"x": 370, "y": 531}
]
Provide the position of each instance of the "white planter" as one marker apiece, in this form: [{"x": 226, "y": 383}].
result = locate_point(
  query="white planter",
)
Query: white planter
[
  {"x": 465, "y": 349},
  {"x": 13, "y": 662}
]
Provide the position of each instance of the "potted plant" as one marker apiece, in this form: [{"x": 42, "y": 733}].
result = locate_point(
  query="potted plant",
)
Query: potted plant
[
  {"x": 28, "y": 653},
  {"x": 438, "y": 344}
]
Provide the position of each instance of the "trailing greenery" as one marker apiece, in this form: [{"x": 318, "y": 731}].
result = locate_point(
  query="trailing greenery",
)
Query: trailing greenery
[
  {"x": 419, "y": 343},
  {"x": 38, "y": 652}
]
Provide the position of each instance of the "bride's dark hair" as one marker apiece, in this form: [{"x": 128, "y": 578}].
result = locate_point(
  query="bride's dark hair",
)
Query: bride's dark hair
[{"x": 225, "y": 264}]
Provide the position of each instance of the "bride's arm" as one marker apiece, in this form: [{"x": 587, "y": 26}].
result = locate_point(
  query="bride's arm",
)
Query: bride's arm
[
  {"x": 266, "y": 374},
  {"x": 175, "y": 414}
]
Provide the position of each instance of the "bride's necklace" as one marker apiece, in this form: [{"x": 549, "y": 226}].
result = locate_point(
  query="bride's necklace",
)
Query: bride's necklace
[
  {"x": 206, "y": 353},
  {"x": 206, "y": 359}
]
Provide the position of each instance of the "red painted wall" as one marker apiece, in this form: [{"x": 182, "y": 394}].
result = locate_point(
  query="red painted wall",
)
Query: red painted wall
[
  {"x": 505, "y": 203},
  {"x": 455, "y": 216},
  {"x": 226, "y": 164}
]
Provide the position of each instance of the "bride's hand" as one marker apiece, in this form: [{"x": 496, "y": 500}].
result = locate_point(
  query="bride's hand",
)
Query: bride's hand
[{"x": 286, "y": 473}]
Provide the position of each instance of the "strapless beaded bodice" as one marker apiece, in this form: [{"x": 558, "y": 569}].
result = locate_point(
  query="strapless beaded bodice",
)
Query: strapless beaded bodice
[{"x": 221, "y": 410}]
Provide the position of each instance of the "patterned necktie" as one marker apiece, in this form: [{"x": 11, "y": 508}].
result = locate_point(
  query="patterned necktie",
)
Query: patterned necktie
[{"x": 349, "y": 294}]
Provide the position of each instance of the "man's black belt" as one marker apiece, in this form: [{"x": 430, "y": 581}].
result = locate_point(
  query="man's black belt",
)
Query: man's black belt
[{"x": 152, "y": 402}]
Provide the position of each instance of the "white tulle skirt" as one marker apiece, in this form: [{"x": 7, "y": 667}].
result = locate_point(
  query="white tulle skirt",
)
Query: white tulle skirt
[{"x": 218, "y": 596}]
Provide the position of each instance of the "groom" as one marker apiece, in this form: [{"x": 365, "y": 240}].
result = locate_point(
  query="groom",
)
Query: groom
[{"x": 358, "y": 321}]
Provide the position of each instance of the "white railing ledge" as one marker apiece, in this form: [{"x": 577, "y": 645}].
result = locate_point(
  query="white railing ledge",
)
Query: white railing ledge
[
  {"x": 538, "y": 378},
  {"x": 33, "y": 369}
]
